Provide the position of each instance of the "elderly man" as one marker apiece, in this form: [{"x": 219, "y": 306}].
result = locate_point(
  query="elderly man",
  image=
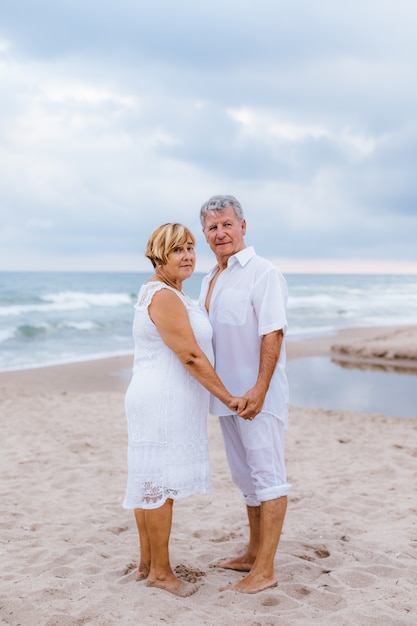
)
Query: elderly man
[{"x": 245, "y": 297}]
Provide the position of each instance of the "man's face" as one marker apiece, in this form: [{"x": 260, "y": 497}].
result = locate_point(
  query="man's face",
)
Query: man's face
[{"x": 224, "y": 233}]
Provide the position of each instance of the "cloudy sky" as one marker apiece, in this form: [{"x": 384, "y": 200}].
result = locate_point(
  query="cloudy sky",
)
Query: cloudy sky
[{"x": 120, "y": 115}]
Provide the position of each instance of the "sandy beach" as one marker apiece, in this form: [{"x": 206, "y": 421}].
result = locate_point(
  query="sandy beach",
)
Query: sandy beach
[{"x": 348, "y": 553}]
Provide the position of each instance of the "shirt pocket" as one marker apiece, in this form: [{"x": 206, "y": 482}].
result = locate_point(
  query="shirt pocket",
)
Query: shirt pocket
[{"x": 233, "y": 307}]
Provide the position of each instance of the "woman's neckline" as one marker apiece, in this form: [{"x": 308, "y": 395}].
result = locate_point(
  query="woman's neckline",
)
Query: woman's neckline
[{"x": 164, "y": 282}]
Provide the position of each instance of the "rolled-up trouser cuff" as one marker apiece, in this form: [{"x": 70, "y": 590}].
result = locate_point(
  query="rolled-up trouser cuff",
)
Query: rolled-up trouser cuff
[{"x": 271, "y": 493}]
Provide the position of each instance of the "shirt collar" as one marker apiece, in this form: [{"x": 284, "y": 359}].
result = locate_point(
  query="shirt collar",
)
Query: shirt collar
[{"x": 242, "y": 257}]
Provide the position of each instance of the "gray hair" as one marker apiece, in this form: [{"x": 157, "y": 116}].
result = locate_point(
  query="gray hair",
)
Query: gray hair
[{"x": 220, "y": 203}]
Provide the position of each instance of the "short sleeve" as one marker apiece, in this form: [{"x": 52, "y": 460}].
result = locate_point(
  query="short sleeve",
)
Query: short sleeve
[{"x": 270, "y": 297}]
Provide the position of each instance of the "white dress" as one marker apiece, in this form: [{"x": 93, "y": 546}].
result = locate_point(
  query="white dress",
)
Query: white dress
[{"x": 166, "y": 410}]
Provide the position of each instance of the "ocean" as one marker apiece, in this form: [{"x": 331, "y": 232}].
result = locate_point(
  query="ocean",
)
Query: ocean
[{"x": 49, "y": 318}]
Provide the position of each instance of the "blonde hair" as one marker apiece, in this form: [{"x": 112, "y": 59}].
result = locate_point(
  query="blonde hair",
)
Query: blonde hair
[{"x": 163, "y": 241}]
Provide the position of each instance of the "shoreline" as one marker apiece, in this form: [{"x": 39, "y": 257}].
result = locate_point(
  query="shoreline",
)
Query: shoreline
[{"x": 353, "y": 345}]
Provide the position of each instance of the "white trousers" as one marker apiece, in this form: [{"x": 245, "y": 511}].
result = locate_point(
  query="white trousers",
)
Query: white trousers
[{"x": 255, "y": 453}]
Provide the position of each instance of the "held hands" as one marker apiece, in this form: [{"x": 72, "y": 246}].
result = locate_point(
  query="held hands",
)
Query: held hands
[
  {"x": 249, "y": 405},
  {"x": 254, "y": 400},
  {"x": 241, "y": 407},
  {"x": 236, "y": 404}
]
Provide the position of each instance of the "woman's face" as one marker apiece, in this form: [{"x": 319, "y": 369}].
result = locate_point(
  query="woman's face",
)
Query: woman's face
[{"x": 181, "y": 263}]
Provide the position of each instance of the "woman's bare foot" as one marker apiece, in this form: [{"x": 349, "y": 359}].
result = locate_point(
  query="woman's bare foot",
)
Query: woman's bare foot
[
  {"x": 142, "y": 573},
  {"x": 177, "y": 587}
]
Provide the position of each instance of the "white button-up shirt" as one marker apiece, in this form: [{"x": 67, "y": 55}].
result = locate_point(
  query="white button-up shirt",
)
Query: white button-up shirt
[{"x": 248, "y": 301}]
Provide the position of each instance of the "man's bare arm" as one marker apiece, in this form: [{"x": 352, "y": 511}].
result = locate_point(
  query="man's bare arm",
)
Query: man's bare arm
[{"x": 270, "y": 351}]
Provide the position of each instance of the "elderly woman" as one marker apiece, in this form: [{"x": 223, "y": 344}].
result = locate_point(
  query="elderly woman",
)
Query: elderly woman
[{"x": 167, "y": 403}]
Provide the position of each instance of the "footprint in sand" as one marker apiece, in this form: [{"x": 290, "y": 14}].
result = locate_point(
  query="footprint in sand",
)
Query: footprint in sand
[
  {"x": 189, "y": 574},
  {"x": 313, "y": 552}
]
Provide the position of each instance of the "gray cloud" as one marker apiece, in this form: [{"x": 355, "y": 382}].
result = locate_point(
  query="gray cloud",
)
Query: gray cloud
[{"x": 119, "y": 116}]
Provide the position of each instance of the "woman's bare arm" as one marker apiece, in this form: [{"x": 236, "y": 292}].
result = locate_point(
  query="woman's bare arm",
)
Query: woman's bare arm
[{"x": 170, "y": 317}]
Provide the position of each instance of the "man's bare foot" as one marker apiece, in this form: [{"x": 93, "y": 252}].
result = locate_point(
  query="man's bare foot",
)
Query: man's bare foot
[
  {"x": 180, "y": 588},
  {"x": 238, "y": 563},
  {"x": 252, "y": 584}
]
